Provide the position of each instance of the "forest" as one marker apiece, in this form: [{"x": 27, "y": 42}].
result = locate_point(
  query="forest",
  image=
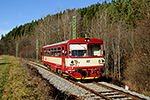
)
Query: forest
[{"x": 123, "y": 25}]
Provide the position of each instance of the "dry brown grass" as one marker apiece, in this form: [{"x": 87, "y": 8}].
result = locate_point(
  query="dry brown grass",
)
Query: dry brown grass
[
  {"x": 45, "y": 87},
  {"x": 23, "y": 82},
  {"x": 19, "y": 85}
]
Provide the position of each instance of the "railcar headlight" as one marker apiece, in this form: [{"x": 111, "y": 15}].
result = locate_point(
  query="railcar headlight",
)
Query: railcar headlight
[
  {"x": 101, "y": 61},
  {"x": 72, "y": 62},
  {"x": 87, "y": 40}
]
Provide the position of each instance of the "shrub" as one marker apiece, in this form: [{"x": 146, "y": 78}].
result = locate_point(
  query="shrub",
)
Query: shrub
[{"x": 137, "y": 73}]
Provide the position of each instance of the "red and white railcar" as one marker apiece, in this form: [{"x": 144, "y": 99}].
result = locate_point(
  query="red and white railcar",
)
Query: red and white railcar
[{"x": 79, "y": 58}]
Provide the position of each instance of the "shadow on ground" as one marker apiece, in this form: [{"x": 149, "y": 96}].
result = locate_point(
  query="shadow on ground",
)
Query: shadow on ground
[
  {"x": 4, "y": 63},
  {"x": 104, "y": 79}
]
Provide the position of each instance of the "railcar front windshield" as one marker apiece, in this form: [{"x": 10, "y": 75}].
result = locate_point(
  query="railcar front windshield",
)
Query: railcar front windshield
[
  {"x": 95, "y": 49},
  {"x": 80, "y": 50}
]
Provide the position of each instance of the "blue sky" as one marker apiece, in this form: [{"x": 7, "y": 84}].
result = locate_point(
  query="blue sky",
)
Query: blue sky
[{"x": 18, "y": 12}]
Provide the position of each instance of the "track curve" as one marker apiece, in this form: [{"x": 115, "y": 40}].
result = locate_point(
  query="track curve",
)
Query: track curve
[{"x": 83, "y": 90}]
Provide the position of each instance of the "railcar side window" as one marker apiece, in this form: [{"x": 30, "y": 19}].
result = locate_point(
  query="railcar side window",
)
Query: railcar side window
[
  {"x": 95, "y": 49},
  {"x": 45, "y": 51},
  {"x": 59, "y": 51},
  {"x": 52, "y": 53},
  {"x": 55, "y": 51},
  {"x": 49, "y": 52}
]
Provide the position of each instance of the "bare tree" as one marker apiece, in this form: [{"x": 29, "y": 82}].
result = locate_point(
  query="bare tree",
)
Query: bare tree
[{"x": 67, "y": 23}]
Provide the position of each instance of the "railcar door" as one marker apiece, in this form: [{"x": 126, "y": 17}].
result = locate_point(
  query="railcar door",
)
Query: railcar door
[{"x": 63, "y": 59}]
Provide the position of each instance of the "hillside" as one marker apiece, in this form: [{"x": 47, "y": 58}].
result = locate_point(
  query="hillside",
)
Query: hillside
[{"x": 124, "y": 25}]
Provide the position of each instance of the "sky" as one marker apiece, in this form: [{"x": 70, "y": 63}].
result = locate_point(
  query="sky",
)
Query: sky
[{"x": 19, "y": 12}]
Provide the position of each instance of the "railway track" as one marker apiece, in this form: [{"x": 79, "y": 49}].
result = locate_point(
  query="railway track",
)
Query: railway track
[
  {"x": 111, "y": 93},
  {"x": 86, "y": 91}
]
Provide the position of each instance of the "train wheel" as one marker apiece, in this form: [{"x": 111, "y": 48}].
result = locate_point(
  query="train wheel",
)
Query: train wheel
[
  {"x": 49, "y": 67},
  {"x": 46, "y": 66},
  {"x": 59, "y": 71}
]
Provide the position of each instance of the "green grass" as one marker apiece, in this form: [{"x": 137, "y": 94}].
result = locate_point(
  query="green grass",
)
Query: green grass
[{"x": 4, "y": 72}]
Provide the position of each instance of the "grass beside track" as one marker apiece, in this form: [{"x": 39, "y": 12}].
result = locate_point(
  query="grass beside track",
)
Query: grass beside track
[
  {"x": 4, "y": 72},
  {"x": 15, "y": 83}
]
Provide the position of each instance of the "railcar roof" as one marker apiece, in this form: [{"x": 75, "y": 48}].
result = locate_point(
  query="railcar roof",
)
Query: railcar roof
[
  {"x": 59, "y": 43},
  {"x": 73, "y": 41}
]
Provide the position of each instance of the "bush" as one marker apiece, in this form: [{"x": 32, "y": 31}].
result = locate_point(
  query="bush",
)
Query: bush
[{"x": 137, "y": 73}]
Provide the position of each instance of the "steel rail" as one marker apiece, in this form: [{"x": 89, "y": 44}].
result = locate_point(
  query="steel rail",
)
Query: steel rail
[
  {"x": 134, "y": 97},
  {"x": 86, "y": 88},
  {"x": 120, "y": 91}
]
